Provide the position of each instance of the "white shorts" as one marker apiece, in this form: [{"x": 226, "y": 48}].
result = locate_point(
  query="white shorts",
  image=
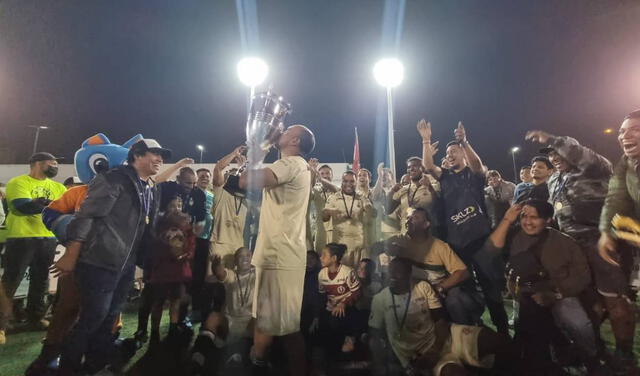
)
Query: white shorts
[
  {"x": 277, "y": 300},
  {"x": 463, "y": 349}
]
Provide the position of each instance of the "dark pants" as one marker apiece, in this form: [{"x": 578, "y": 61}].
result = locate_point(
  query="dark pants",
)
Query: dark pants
[
  {"x": 464, "y": 305},
  {"x": 102, "y": 294},
  {"x": 36, "y": 254},
  {"x": 489, "y": 271},
  {"x": 199, "y": 272},
  {"x": 334, "y": 329}
]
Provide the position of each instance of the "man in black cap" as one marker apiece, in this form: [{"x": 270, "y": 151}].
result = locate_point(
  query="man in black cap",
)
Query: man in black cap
[
  {"x": 103, "y": 241},
  {"x": 29, "y": 242}
]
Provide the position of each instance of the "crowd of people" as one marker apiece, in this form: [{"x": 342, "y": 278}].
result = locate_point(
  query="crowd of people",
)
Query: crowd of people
[{"x": 284, "y": 272}]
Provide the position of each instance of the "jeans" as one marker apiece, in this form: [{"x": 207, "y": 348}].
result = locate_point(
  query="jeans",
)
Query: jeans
[
  {"x": 571, "y": 317},
  {"x": 36, "y": 254},
  {"x": 102, "y": 295},
  {"x": 464, "y": 305},
  {"x": 489, "y": 270}
]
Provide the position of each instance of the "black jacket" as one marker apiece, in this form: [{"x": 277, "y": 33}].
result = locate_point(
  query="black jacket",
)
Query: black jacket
[{"x": 111, "y": 221}]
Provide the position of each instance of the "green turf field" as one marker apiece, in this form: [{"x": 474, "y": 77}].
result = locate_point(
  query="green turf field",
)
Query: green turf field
[{"x": 22, "y": 348}]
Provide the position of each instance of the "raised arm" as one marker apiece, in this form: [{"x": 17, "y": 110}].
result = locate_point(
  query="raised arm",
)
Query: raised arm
[
  {"x": 475, "y": 164},
  {"x": 578, "y": 156},
  {"x": 424, "y": 129},
  {"x": 168, "y": 173},
  {"x": 224, "y": 162},
  {"x": 499, "y": 236}
]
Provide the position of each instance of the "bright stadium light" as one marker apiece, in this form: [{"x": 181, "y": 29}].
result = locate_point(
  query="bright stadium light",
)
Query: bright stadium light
[
  {"x": 252, "y": 71},
  {"x": 514, "y": 150},
  {"x": 388, "y": 72}
]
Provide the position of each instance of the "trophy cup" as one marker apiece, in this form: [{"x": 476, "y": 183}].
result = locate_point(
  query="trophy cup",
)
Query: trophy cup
[{"x": 264, "y": 127}]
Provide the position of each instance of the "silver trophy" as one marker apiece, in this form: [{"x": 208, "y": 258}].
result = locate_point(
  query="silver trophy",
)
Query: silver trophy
[{"x": 265, "y": 124}]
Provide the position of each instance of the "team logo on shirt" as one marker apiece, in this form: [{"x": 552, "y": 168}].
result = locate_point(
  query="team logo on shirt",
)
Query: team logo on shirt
[
  {"x": 464, "y": 215},
  {"x": 341, "y": 290},
  {"x": 41, "y": 192}
]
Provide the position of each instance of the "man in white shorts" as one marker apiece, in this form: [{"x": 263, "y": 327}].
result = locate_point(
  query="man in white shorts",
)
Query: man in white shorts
[
  {"x": 280, "y": 254},
  {"x": 411, "y": 318}
]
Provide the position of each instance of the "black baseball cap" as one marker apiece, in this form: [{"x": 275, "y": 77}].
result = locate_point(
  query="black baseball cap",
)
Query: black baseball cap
[
  {"x": 42, "y": 156},
  {"x": 150, "y": 145}
]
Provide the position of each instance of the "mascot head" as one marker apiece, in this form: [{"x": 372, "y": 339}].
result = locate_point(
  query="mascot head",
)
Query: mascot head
[{"x": 98, "y": 154}]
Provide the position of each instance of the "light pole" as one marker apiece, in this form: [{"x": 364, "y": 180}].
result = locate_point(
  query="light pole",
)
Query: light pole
[
  {"x": 389, "y": 73},
  {"x": 201, "y": 148},
  {"x": 252, "y": 71},
  {"x": 35, "y": 141},
  {"x": 514, "y": 150}
]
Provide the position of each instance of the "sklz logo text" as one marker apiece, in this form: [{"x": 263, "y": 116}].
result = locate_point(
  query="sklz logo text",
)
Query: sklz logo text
[{"x": 464, "y": 215}]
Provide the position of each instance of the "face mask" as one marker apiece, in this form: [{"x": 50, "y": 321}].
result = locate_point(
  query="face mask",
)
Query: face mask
[{"x": 51, "y": 172}]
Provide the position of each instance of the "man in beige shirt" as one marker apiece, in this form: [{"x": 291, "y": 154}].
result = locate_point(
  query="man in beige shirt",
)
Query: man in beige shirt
[
  {"x": 229, "y": 212},
  {"x": 421, "y": 192},
  {"x": 319, "y": 231},
  {"x": 349, "y": 213},
  {"x": 280, "y": 255}
]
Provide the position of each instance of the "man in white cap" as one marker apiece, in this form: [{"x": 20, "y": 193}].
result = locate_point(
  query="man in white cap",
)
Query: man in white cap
[{"x": 103, "y": 240}]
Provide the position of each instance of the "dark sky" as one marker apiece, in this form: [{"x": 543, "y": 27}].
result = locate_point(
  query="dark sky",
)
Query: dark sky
[{"x": 166, "y": 69}]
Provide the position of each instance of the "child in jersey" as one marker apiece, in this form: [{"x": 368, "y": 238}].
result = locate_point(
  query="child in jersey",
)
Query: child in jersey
[
  {"x": 239, "y": 284},
  {"x": 174, "y": 247},
  {"x": 340, "y": 284}
]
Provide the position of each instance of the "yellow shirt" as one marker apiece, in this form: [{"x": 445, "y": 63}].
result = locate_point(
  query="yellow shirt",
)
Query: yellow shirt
[
  {"x": 433, "y": 257},
  {"x": 21, "y": 225},
  {"x": 229, "y": 214},
  {"x": 281, "y": 242},
  {"x": 416, "y": 334}
]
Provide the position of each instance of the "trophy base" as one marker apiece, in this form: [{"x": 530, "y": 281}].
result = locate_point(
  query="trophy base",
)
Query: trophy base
[{"x": 232, "y": 185}]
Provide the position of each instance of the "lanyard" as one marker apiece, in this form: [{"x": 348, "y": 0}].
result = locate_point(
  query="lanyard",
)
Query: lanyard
[
  {"x": 236, "y": 205},
  {"x": 146, "y": 196},
  {"x": 399, "y": 323},
  {"x": 344, "y": 201},
  {"x": 244, "y": 294},
  {"x": 410, "y": 197},
  {"x": 324, "y": 193}
]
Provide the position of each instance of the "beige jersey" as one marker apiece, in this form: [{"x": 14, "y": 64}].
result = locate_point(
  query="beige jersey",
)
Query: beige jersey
[
  {"x": 318, "y": 200},
  {"x": 415, "y": 196},
  {"x": 411, "y": 334},
  {"x": 229, "y": 215},
  {"x": 281, "y": 242},
  {"x": 354, "y": 212},
  {"x": 239, "y": 294}
]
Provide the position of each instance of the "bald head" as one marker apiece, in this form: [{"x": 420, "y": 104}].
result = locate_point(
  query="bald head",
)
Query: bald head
[{"x": 297, "y": 139}]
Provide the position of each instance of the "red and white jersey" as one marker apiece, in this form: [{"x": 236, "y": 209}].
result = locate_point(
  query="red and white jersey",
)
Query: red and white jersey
[{"x": 342, "y": 288}]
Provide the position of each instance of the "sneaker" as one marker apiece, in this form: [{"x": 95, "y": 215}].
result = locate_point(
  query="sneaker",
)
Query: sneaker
[{"x": 3, "y": 337}]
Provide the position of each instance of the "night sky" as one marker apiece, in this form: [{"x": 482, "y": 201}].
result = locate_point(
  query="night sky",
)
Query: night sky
[{"x": 166, "y": 69}]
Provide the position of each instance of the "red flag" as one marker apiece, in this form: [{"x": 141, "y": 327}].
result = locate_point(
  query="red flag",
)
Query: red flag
[{"x": 356, "y": 154}]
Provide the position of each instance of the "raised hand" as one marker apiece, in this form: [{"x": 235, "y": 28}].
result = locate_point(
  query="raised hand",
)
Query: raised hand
[
  {"x": 313, "y": 164},
  {"x": 424, "y": 129},
  {"x": 434, "y": 148},
  {"x": 538, "y": 136},
  {"x": 460, "y": 133},
  {"x": 512, "y": 214},
  {"x": 185, "y": 162}
]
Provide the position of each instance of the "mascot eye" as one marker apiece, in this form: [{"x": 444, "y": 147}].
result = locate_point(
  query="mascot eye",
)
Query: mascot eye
[{"x": 98, "y": 163}]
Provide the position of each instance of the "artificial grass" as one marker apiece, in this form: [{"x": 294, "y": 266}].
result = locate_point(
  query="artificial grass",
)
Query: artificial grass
[{"x": 22, "y": 348}]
